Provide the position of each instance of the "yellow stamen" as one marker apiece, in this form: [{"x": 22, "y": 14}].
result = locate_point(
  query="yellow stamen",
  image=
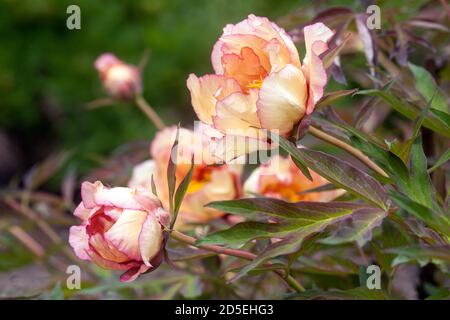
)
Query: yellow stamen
[{"x": 255, "y": 84}]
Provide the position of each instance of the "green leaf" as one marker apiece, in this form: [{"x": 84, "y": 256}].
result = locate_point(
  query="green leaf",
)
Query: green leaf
[
  {"x": 428, "y": 88},
  {"x": 405, "y": 149},
  {"x": 443, "y": 159},
  {"x": 434, "y": 219},
  {"x": 181, "y": 191},
  {"x": 422, "y": 190},
  {"x": 421, "y": 253},
  {"x": 295, "y": 222},
  {"x": 410, "y": 111},
  {"x": 171, "y": 174},
  {"x": 340, "y": 173},
  {"x": 357, "y": 229}
]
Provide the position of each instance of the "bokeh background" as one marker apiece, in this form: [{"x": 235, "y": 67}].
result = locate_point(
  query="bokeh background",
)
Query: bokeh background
[
  {"x": 47, "y": 73},
  {"x": 47, "y": 79}
]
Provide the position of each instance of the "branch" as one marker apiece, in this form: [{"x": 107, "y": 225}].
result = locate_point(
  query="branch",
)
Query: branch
[
  {"x": 149, "y": 112},
  {"x": 341, "y": 144},
  {"x": 181, "y": 237}
]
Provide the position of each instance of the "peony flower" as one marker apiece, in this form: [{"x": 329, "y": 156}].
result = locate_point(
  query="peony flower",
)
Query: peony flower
[
  {"x": 280, "y": 178},
  {"x": 259, "y": 81},
  {"x": 121, "y": 229},
  {"x": 141, "y": 177},
  {"x": 209, "y": 182},
  {"x": 120, "y": 80}
]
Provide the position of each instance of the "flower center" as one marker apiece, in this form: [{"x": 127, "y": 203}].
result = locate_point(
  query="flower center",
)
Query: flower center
[{"x": 255, "y": 84}]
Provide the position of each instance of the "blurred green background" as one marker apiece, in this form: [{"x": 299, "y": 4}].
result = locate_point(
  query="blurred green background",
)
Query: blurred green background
[{"x": 47, "y": 73}]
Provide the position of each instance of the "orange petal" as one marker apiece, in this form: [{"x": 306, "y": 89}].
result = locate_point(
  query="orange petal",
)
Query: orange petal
[
  {"x": 246, "y": 67},
  {"x": 206, "y": 90}
]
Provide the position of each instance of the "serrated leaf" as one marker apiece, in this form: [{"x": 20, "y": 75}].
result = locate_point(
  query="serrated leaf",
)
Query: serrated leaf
[
  {"x": 434, "y": 219},
  {"x": 428, "y": 88},
  {"x": 340, "y": 173},
  {"x": 357, "y": 229},
  {"x": 410, "y": 111},
  {"x": 295, "y": 222}
]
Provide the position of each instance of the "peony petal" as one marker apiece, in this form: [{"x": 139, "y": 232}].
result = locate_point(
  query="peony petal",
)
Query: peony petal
[
  {"x": 124, "y": 234},
  {"x": 236, "y": 114},
  {"x": 79, "y": 241},
  {"x": 278, "y": 55},
  {"x": 232, "y": 147},
  {"x": 251, "y": 185},
  {"x": 206, "y": 90},
  {"x": 88, "y": 191},
  {"x": 132, "y": 273},
  {"x": 150, "y": 239},
  {"x": 110, "y": 265},
  {"x": 263, "y": 28},
  {"x": 282, "y": 99},
  {"x": 244, "y": 67},
  {"x": 82, "y": 212},
  {"x": 233, "y": 44},
  {"x": 107, "y": 250},
  {"x": 120, "y": 197},
  {"x": 316, "y": 38},
  {"x": 141, "y": 177}
]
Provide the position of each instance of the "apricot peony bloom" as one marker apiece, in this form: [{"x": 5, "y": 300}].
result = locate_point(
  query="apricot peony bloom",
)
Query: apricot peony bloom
[
  {"x": 259, "y": 81},
  {"x": 121, "y": 229},
  {"x": 209, "y": 182},
  {"x": 280, "y": 178},
  {"x": 120, "y": 80}
]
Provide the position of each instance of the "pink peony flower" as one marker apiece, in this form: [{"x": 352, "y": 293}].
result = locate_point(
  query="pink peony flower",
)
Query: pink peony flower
[
  {"x": 259, "y": 81},
  {"x": 208, "y": 183},
  {"x": 280, "y": 178},
  {"x": 120, "y": 80},
  {"x": 121, "y": 229}
]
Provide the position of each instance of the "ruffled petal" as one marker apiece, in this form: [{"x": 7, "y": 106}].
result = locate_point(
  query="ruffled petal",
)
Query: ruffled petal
[
  {"x": 150, "y": 239},
  {"x": 206, "y": 90},
  {"x": 82, "y": 212},
  {"x": 244, "y": 67},
  {"x": 316, "y": 38},
  {"x": 265, "y": 29},
  {"x": 141, "y": 177},
  {"x": 236, "y": 114},
  {"x": 124, "y": 234},
  {"x": 79, "y": 241},
  {"x": 282, "y": 99},
  {"x": 233, "y": 44}
]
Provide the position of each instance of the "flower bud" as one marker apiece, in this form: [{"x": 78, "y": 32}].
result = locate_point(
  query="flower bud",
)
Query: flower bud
[
  {"x": 121, "y": 229},
  {"x": 120, "y": 80}
]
